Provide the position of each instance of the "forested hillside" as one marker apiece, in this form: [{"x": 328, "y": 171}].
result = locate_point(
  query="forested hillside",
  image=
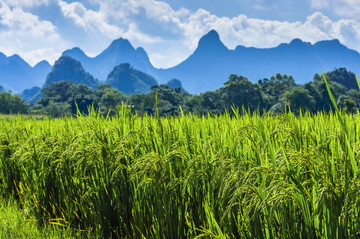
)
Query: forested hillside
[{"x": 270, "y": 95}]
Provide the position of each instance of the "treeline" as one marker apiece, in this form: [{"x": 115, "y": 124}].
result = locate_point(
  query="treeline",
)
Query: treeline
[{"x": 267, "y": 95}]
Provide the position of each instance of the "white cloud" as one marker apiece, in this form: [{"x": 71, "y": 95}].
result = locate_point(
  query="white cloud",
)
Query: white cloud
[
  {"x": 343, "y": 8},
  {"x": 188, "y": 27},
  {"x": 25, "y": 34},
  {"x": 262, "y": 7},
  {"x": 88, "y": 19},
  {"x": 320, "y": 4},
  {"x": 26, "y": 3},
  {"x": 38, "y": 55},
  {"x": 98, "y": 22},
  {"x": 242, "y": 30},
  {"x": 23, "y": 23},
  {"x": 168, "y": 35}
]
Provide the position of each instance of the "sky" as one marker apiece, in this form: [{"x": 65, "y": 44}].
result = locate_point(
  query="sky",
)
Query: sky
[{"x": 169, "y": 30}]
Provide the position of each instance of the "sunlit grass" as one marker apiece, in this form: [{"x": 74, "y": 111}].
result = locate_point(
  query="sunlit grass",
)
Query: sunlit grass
[
  {"x": 282, "y": 176},
  {"x": 15, "y": 223},
  {"x": 240, "y": 176}
]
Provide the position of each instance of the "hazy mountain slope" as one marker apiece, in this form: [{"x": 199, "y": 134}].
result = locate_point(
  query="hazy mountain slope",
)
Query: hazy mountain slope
[
  {"x": 17, "y": 75},
  {"x": 211, "y": 63},
  {"x": 129, "y": 80},
  {"x": 120, "y": 51},
  {"x": 206, "y": 69},
  {"x": 69, "y": 69}
]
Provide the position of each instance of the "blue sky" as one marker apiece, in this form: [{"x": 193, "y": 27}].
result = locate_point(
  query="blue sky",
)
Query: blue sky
[{"x": 169, "y": 30}]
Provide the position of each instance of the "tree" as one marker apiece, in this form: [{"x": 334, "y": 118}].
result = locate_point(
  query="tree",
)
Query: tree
[
  {"x": 239, "y": 91},
  {"x": 54, "y": 109},
  {"x": 317, "y": 77},
  {"x": 318, "y": 90},
  {"x": 12, "y": 104},
  {"x": 343, "y": 77},
  {"x": 299, "y": 98},
  {"x": 82, "y": 97},
  {"x": 76, "y": 96},
  {"x": 273, "y": 90},
  {"x": 109, "y": 99},
  {"x": 166, "y": 99}
]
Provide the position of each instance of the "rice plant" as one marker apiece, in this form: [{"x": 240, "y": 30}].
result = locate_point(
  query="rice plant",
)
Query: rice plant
[{"x": 230, "y": 176}]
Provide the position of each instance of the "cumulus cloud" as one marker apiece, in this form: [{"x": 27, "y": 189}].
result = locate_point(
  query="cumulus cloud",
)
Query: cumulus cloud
[
  {"x": 242, "y": 30},
  {"x": 26, "y": 3},
  {"x": 169, "y": 35},
  {"x": 88, "y": 19},
  {"x": 21, "y": 32},
  {"x": 320, "y": 4},
  {"x": 156, "y": 26},
  {"x": 23, "y": 23},
  {"x": 100, "y": 22},
  {"x": 343, "y": 8}
]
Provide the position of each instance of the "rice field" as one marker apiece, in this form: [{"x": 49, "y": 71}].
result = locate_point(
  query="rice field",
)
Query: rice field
[{"x": 239, "y": 176}]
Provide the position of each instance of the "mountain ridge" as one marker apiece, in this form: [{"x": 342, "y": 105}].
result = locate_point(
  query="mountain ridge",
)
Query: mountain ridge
[
  {"x": 211, "y": 63},
  {"x": 16, "y": 74},
  {"x": 118, "y": 52},
  {"x": 298, "y": 58}
]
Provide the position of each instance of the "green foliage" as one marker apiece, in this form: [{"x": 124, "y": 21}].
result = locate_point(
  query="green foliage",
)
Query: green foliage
[
  {"x": 64, "y": 97},
  {"x": 167, "y": 100},
  {"x": 299, "y": 98},
  {"x": 189, "y": 176},
  {"x": 129, "y": 80},
  {"x": 12, "y": 104},
  {"x": 16, "y": 223},
  {"x": 343, "y": 77},
  {"x": 207, "y": 103},
  {"x": 274, "y": 89},
  {"x": 238, "y": 92},
  {"x": 318, "y": 91},
  {"x": 109, "y": 99}
]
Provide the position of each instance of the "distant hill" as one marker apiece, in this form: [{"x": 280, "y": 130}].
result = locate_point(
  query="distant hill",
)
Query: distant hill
[
  {"x": 2, "y": 89},
  {"x": 343, "y": 77},
  {"x": 206, "y": 69},
  {"x": 68, "y": 69},
  {"x": 17, "y": 75},
  {"x": 175, "y": 83},
  {"x": 31, "y": 95},
  {"x": 212, "y": 62},
  {"x": 120, "y": 51},
  {"x": 129, "y": 80}
]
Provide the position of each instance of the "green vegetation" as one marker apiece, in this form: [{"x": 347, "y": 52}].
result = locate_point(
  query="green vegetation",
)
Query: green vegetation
[
  {"x": 221, "y": 176},
  {"x": 16, "y": 223},
  {"x": 127, "y": 80},
  {"x": 228, "y": 173},
  {"x": 12, "y": 104},
  {"x": 69, "y": 69},
  {"x": 267, "y": 95},
  {"x": 64, "y": 98}
]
